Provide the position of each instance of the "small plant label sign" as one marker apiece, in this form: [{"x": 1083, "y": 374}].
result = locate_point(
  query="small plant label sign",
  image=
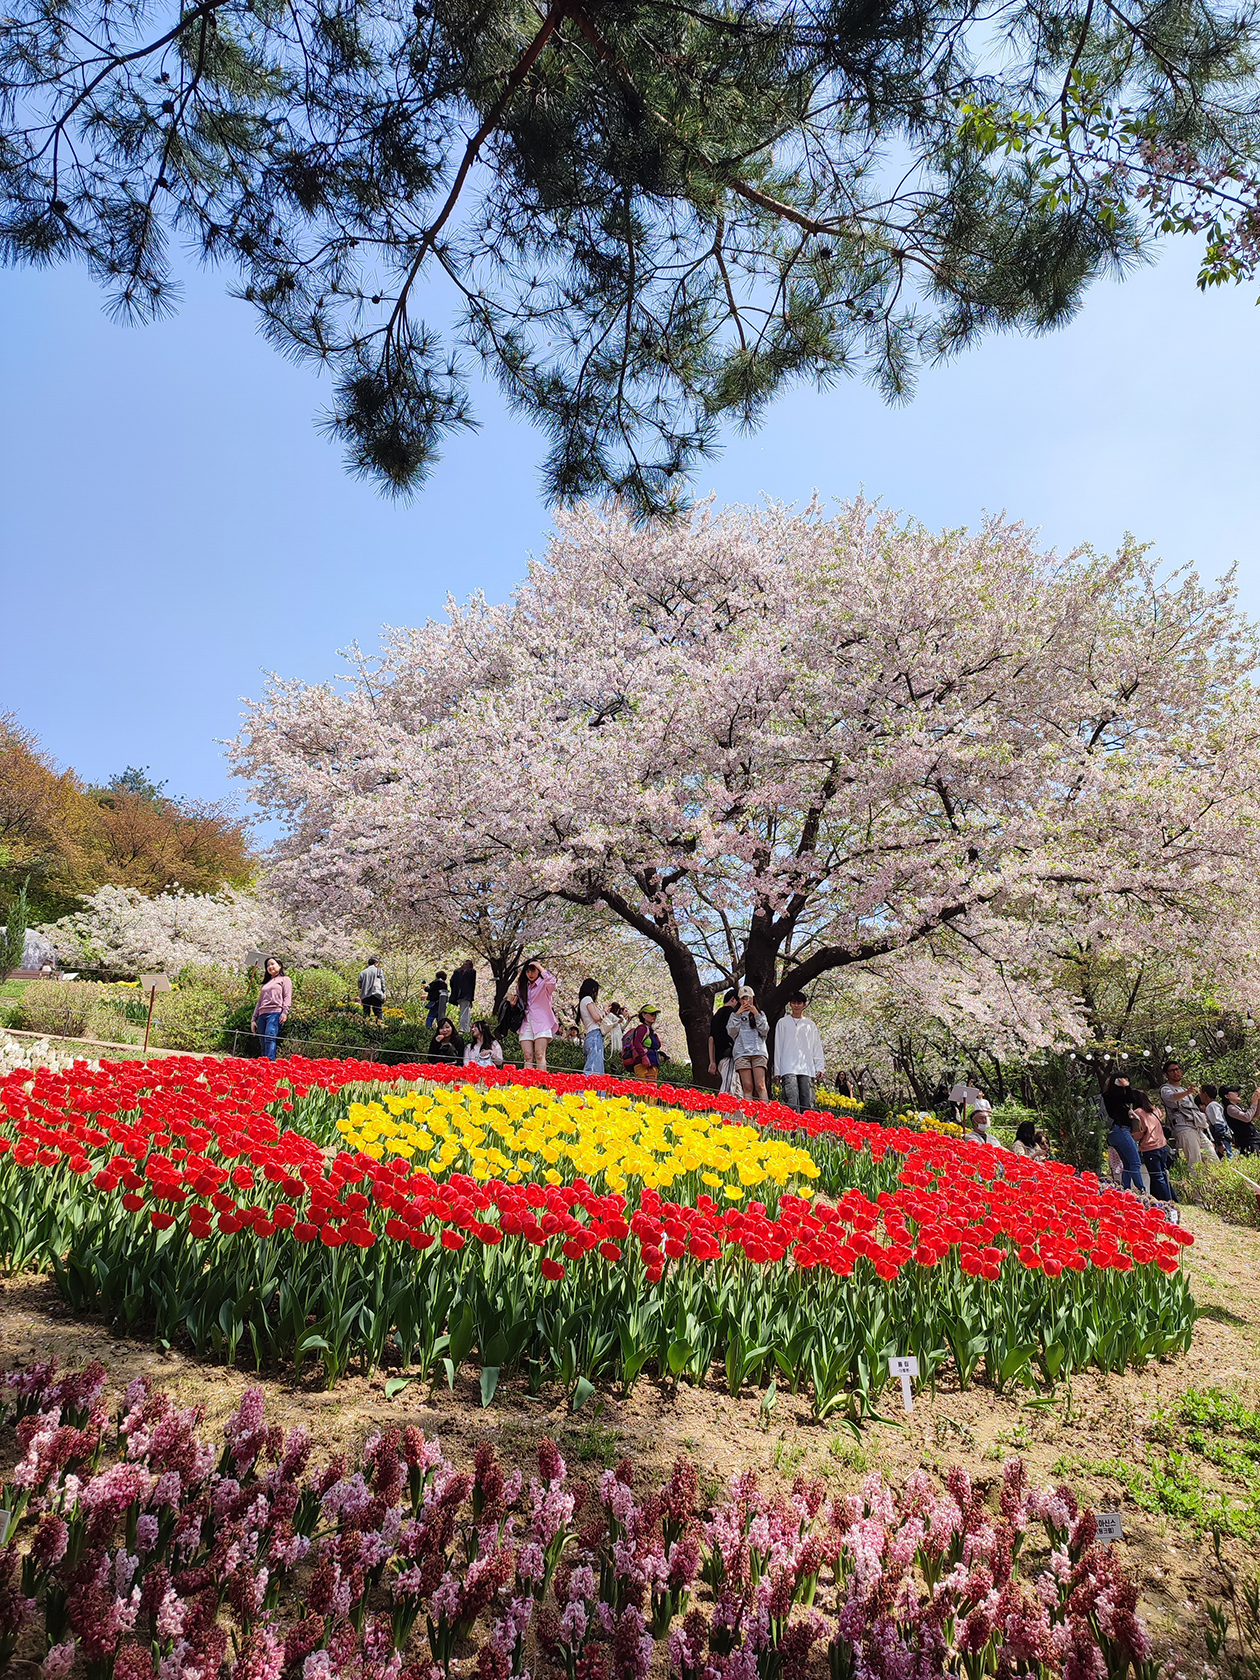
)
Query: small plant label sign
[
  {"x": 1110, "y": 1528},
  {"x": 5, "y": 1518},
  {"x": 905, "y": 1366}
]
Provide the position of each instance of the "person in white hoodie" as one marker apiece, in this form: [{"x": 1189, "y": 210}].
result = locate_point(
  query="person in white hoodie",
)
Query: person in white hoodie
[{"x": 798, "y": 1055}]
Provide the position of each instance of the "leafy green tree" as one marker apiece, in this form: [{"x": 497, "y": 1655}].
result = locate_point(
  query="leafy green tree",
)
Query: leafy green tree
[
  {"x": 645, "y": 216},
  {"x": 15, "y": 928}
]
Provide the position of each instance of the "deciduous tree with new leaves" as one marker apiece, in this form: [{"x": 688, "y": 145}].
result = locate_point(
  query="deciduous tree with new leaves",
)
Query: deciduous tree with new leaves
[{"x": 777, "y": 745}]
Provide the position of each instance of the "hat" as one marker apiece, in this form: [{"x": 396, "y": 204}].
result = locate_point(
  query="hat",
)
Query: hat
[
  {"x": 649, "y": 1009},
  {"x": 747, "y": 991}
]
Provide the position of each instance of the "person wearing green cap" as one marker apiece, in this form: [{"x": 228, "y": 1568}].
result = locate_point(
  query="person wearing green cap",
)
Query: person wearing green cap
[{"x": 642, "y": 1053}]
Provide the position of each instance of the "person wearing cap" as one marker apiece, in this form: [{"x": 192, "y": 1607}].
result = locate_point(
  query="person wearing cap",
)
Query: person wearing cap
[
  {"x": 798, "y": 1055},
  {"x": 749, "y": 1029},
  {"x": 642, "y": 1053}
]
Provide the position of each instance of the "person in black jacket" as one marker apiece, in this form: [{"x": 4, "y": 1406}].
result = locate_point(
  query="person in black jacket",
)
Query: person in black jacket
[
  {"x": 463, "y": 991},
  {"x": 1117, "y": 1099},
  {"x": 438, "y": 993},
  {"x": 446, "y": 1045},
  {"x": 1241, "y": 1121}
]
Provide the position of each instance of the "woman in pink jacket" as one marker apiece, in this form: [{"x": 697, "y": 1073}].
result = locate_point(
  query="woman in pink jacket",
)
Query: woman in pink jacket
[
  {"x": 534, "y": 990},
  {"x": 274, "y": 1003}
]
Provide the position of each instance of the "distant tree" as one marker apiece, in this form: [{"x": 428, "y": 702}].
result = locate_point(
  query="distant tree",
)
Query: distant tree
[
  {"x": 646, "y": 218},
  {"x": 143, "y": 839},
  {"x": 45, "y": 823},
  {"x": 69, "y": 839},
  {"x": 136, "y": 780},
  {"x": 121, "y": 928}
]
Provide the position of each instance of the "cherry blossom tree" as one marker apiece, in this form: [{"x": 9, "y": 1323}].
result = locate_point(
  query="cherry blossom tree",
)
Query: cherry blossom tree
[{"x": 778, "y": 745}]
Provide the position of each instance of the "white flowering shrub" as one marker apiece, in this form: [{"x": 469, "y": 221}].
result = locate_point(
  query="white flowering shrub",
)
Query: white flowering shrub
[{"x": 120, "y": 928}]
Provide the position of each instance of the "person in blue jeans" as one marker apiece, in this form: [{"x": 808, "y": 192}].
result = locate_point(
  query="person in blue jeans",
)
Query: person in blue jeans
[
  {"x": 1152, "y": 1145},
  {"x": 1121, "y": 1139},
  {"x": 275, "y": 999},
  {"x": 591, "y": 1020}
]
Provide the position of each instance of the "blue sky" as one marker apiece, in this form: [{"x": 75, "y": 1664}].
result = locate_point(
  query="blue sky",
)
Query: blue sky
[{"x": 174, "y": 526}]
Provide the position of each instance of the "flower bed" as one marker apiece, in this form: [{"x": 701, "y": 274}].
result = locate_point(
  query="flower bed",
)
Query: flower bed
[
  {"x": 146, "y": 1552},
  {"x": 201, "y": 1200}
]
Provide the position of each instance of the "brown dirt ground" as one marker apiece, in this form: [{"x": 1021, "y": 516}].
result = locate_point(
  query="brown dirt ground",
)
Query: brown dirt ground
[{"x": 1100, "y": 1417}]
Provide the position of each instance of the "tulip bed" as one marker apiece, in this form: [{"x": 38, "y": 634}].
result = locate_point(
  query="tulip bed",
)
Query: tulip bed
[{"x": 306, "y": 1210}]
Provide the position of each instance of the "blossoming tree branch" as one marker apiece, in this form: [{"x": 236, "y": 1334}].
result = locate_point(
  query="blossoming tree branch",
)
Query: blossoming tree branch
[{"x": 778, "y": 745}]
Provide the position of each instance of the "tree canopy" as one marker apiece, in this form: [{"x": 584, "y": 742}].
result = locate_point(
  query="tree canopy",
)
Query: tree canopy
[
  {"x": 646, "y": 217},
  {"x": 777, "y": 745},
  {"x": 69, "y": 839}
]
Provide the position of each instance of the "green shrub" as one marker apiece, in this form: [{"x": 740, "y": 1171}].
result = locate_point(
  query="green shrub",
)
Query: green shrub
[
  {"x": 1215, "y": 1185},
  {"x": 188, "y": 1019},
  {"x": 232, "y": 987},
  {"x": 315, "y": 988},
  {"x": 65, "y": 1007}
]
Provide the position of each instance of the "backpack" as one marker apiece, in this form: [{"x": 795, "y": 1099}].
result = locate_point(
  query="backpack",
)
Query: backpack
[
  {"x": 511, "y": 1014},
  {"x": 628, "y": 1049}
]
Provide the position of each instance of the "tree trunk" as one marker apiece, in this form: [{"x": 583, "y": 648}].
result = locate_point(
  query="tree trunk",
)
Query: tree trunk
[
  {"x": 504, "y": 968},
  {"x": 695, "y": 999},
  {"x": 695, "y": 1007}
]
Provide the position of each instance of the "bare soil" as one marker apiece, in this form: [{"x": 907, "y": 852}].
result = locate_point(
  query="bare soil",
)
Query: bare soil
[{"x": 1096, "y": 1417}]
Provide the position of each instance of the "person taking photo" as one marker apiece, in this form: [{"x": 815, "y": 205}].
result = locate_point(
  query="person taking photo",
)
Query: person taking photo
[{"x": 748, "y": 1029}]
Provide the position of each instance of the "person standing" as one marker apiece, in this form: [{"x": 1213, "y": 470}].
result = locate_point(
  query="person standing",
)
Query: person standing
[
  {"x": 617, "y": 1020},
  {"x": 1240, "y": 1120},
  {"x": 748, "y": 1029},
  {"x": 642, "y": 1051},
  {"x": 1214, "y": 1114},
  {"x": 275, "y": 999},
  {"x": 483, "y": 1049},
  {"x": 962, "y": 1094},
  {"x": 372, "y": 988},
  {"x": 1189, "y": 1124},
  {"x": 798, "y": 1055},
  {"x": 720, "y": 1040},
  {"x": 463, "y": 991},
  {"x": 1118, "y": 1103},
  {"x": 1152, "y": 1145},
  {"x": 978, "y": 1103},
  {"x": 437, "y": 993},
  {"x": 591, "y": 1020},
  {"x": 535, "y": 988}
]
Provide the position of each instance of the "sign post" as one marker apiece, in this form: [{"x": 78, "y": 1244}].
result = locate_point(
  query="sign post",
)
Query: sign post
[
  {"x": 153, "y": 984},
  {"x": 905, "y": 1366}
]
